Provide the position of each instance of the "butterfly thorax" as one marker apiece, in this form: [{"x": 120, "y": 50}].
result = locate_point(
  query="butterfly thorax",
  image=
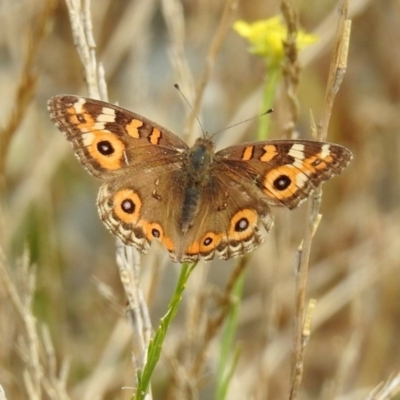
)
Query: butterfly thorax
[
  {"x": 197, "y": 173},
  {"x": 199, "y": 159}
]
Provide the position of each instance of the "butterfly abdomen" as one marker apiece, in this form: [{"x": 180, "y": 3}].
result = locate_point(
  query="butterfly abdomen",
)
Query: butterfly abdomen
[{"x": 189, "y": 206}]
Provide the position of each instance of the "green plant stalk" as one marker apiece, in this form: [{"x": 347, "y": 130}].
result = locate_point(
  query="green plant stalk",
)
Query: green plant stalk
[
  {"x": 226, "y": 367},
  {"x": 270, "y": 86},
  {"x": 155, "y": 346}
]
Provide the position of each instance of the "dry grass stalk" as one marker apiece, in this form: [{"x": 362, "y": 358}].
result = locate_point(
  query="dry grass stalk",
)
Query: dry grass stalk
[
  {"x": 386, "y": 390},
  {"x": 27, "y": 80},
  {"x": 127, "y": 257},
  {"x": 338, "y": 67},
  {"x": 2, "y": 393},
  {"x": 40, "y": 374},
  {"x": 291, "y": 67},
  {"x": 82, "y": 32},
  {"x": 138, "y": 314}
]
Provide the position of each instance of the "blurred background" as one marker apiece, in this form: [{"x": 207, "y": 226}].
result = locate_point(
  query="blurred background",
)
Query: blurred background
[{"x": 50, "y": 227}]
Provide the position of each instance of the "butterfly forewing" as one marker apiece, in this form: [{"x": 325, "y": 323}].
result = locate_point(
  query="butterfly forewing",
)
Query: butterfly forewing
[
  {"x": 286, "y": 171},
  {"x": 108, "y": 139}
]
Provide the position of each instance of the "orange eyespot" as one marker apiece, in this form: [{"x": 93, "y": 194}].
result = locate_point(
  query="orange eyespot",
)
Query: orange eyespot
[
  {"x": 153, "y": 231},
  {"x": 105, "y": 148},
  {"x": 127, "y": 205},
  {"x": 281, "y": 182},
  {"x": 242, "y": 224},
  {"x": 207, "y": 243}
]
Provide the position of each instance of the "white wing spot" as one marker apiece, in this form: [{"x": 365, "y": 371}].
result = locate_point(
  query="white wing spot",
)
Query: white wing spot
[
  {"x": 107, "y": 115},
  {"x": 78, "y": 105},
  {"x": 99, "y": 126},
  {"x": 325, "y": 151},
  {"x": 87, "y": 138},
  {"x": 301, "y": 179},
  {"x": 297, "y": 152}
]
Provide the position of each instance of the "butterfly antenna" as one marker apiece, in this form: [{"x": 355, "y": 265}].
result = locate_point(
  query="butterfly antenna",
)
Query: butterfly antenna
[
  {"x": 190, "y": 106},
  {"x": 269, "y": 111}
]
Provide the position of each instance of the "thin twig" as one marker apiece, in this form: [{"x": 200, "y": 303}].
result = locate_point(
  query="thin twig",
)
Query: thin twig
[
  {"x": 2, "y": 393},
  {"x": 128, "y": 264},
  {"x": 81, "y": 26},
  {"x": 291, "y": 66},
  {"x": 386, "y": 390},
  {"x": 40, "y": 371},
  {"x": 338, "y": 67},
  {"x": 130, "y": 282},
  {"x": 34, "y": 372}
]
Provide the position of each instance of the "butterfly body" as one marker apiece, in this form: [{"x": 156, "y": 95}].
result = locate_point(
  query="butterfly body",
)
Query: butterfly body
[
  {"x": 199, "y": 203},
  {"x": 198, "y": 171}
]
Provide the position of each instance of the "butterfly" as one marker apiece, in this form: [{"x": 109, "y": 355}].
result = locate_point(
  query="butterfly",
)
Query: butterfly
[{"x": 197, "y": 202}]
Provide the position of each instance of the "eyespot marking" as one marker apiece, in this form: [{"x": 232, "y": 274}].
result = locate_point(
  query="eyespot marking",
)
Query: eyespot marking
[
  {"x": 153, "y": 230},
  {"x": 127, "y": 205},
  {"x": 282, "y": 182},
  {"x": 242, "y": 225},
  {"x": 208, "y": 243},
  {"x": 106, "y": 149}
]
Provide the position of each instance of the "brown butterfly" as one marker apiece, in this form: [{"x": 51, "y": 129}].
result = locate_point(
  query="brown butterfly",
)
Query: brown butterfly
[{"x": 197, "y": 202}]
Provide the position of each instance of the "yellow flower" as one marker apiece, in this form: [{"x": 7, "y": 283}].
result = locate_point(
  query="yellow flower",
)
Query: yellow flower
[{"x": 267, "y": 36}]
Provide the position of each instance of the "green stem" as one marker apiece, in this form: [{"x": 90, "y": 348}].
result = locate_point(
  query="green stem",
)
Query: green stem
[
  {"x": 155, "y": 346},
  {"x": 271, "y": 84}
]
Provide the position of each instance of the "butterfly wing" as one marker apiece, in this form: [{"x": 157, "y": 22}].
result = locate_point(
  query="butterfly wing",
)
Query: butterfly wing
[
  {"x": 108, "y": 139},
  {"x": 285, "y": 171},
  {"x": 246, "y": 179},
  {"x": 226, "y": 224},
  {"x": 143, "y": 165},
  {"x": 140, "y": 161},
  {"x": 139, "y": 211}
]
